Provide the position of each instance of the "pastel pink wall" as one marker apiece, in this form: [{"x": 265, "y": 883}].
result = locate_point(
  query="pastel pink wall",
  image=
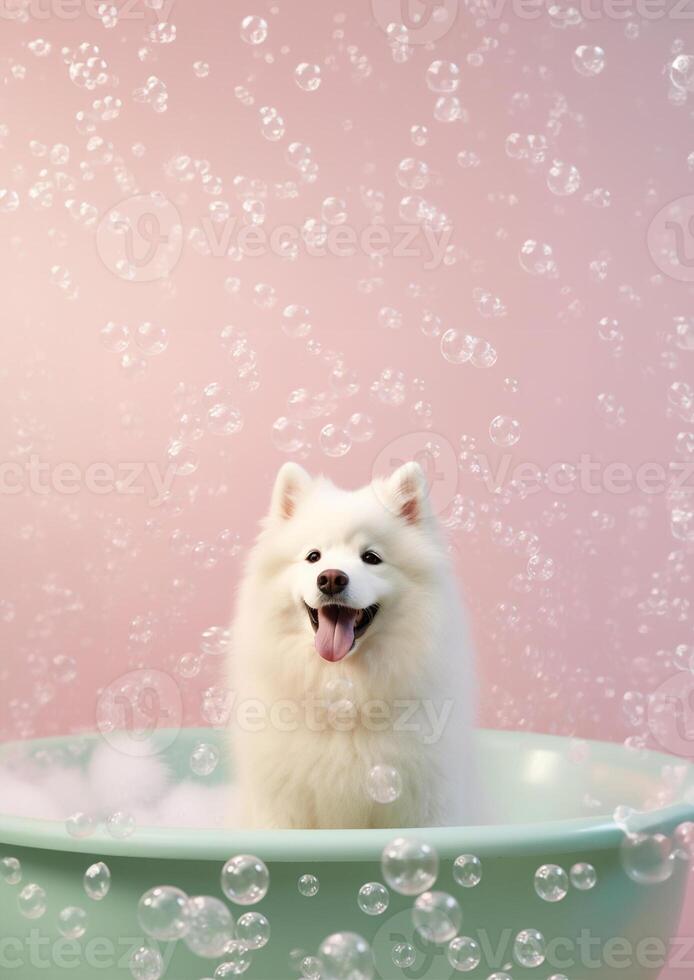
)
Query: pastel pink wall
[{"x": 109, "y": 580}]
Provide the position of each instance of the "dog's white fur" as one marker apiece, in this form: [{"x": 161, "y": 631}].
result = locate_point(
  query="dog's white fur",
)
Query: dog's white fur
[{"x": 410, "y": 675}]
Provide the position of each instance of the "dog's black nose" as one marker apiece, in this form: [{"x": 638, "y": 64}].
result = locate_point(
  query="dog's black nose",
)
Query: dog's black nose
[{"x": 332, "y": 581}]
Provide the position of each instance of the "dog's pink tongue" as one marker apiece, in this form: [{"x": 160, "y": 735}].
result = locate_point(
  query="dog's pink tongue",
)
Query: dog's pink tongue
[{"x": 335, "y": 634}]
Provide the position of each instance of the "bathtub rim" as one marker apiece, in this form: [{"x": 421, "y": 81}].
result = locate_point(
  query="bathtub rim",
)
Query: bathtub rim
[{"x": 577, "y": 834}]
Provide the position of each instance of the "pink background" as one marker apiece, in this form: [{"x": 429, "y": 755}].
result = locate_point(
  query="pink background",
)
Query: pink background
[{"x": 114, "y": 583}]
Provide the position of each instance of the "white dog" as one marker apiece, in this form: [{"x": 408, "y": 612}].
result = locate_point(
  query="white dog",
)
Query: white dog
[{"x": 349, "y": 652}]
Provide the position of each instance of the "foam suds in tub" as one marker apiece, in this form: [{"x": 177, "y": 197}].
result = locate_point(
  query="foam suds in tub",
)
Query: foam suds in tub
[{"x": 124, "y": 785}]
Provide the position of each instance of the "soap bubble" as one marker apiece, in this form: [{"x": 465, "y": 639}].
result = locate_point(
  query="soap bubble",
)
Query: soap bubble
[
  {"x": 537, "y": 258},
  {"x": 456, "y": 346},
  {"x": 183, "y": 458},
  {"x": 504, "y": 431},
  {"x": 224, "y": 420},
  {"x": 682, "y": 72},
  {"x": 245, "y": 879},
  {"x": 146, "y": 963},
  {"x": 271, "y": 124},
  {"x": 253, "y": 929},
  {"x": 360, "y": 427},
  {"x": 384, "y": 784},
  {"x": 307, "y": 76},
  {"x": 443, "y": 76},
  {"x": 80, "y": 825},
  {"x": 210, "y": 927},
  {"x": 683, "y": 838},
  {"x": 10, "y": 870},
  {"x": 311, "y": 968},
  {"x": 308, "y": 886},
  {"x": 151, "y": 339},
  {"x": 588, "y": 59},
  {"x": 563, "y": 179},
  {"x": 115, "y": 337},
  {"x": 464, "y": 954},
  {"x": 467, "y": 870},
  {"x": 373, "y": 898},
  {"x": 529, "y": 948},
  {"x": 551, "y": 883},
  {"x": 72, "y": 922},
  {"x": 346, "y": 956},
  {"x": 334, "y": 440},
  {"x": 204, "y": 759},
  {"x": 97, "y": 881},
  {"x": 296, "y": 321},
  {"x": 120, "y": 824},
  {"x": 413, "y": 174},
  {"x": 31, "y": 901},
  {"x": 419, "y": 135},
  {"x": 448, "y": 109},
  {"x": 403, "y": 955},
  {"x": 648, "y": 859},
  {"x": 253, "y": 30},
  {"x": 164, "y": 913},
  {"x": 437, "y": 916},
  {"x": 238, "y": 960},
  {"x": 409, "y": 866}
]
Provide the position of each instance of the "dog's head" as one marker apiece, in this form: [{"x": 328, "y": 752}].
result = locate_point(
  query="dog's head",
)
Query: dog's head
[{"x": 341, "y": 564}]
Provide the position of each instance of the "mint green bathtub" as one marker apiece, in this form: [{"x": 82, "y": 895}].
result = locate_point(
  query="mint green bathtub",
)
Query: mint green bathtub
[{"x": 619, "y": 929}]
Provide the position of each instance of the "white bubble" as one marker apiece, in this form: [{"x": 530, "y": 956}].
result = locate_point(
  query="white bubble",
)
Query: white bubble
[
  {"x": 583, "y": 876},
  {"x": 384, "y": 784},
  {"x": 151, "y": 339},
  {"x": 210, "y": 927},
  {"x": 530, "y": 948},
  {"x": 346, "y": 956},
  {"x": 97, "y": 881},
  {"x": 204, "y": 759},
  {"x": 334, "y": 211},
  {"x": 334, "y": 441},
  {"x": 307, "y": 76},
  {"x": 456, "y": 346},
  {"x": 437, "y": 916},
  {"x": 360, "y": 427},
  {"x": 467, "y": 870},
  {"x": 296, "y": 321},
  {"x": 271, "y": 124},
  {"x": 551, "y": 883},
  {"x": 288, "y": 435},
  {"x": 245, "y": 879},
  {"x": 404, "y": 955},
  {"x": 80, "y": 825},
  {"x": 238, "y": 960},
  {"x": 115, "y": 337},
  {"x": 537, "y": 258},
  {"x": 10, "y": 870},
  {"x": 413, "y": 174},
  {"x": 164, "y": 913},
  {"x": 31, "y": 901},
  {"x": 72, "y": 922},
  {"x": 409, "y": 866},
  {"x": 308, "y": 886},
  {"x": 504, "y": 431},
  {"x": 682, "y": 72},
  {"x": 563, "y": 179},
  {"x": 648, "y": 859},
  {"x": 120, "y": 824},
  {"x": 146, "y": 963},
  {"x": 443, "y": 76},
  {"x": 253, "y": 30},
  {"x": 464, "y": 954},
  {"x": 373, "y": 898},
  {"x": 588, "y": 59},
  {"x": 253, "y": 930}
]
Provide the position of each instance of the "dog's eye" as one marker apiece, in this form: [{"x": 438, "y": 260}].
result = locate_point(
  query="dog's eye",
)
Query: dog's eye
[
  {"x": 313, "y": 556},
  {"x": 371, "y": 558}
]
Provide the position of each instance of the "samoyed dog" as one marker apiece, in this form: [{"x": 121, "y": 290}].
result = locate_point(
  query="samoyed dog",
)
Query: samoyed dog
[{"x": 350, "y": 666}]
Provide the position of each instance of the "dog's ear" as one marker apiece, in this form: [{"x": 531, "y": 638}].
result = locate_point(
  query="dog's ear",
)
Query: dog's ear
[
  {"x": 408, "y": 490},
  {"x": 292, "y": 480}
]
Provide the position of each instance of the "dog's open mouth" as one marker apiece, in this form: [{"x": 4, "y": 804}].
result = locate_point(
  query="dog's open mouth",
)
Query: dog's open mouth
[{"x": 338, "y": 627}]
